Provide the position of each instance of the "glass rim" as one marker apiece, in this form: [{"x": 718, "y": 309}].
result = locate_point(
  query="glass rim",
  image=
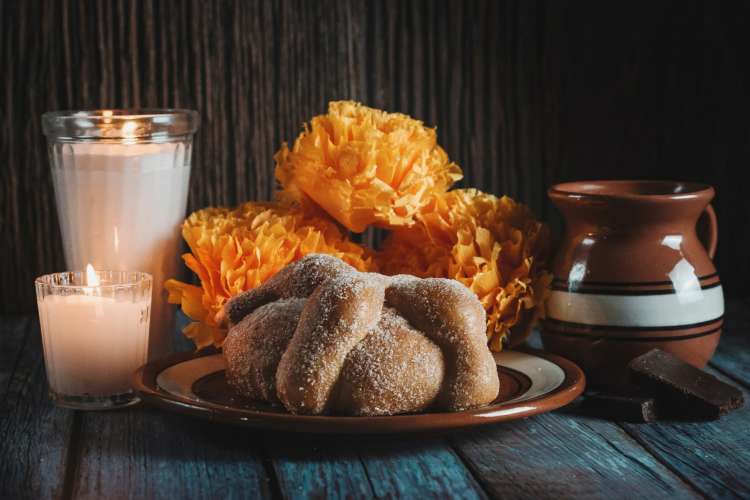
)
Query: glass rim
[
  {"x": 120, "y": 124},
  {"x": 140, "y": 278}
]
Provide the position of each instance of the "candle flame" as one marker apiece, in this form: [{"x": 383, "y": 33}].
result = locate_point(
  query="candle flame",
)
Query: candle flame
[
  {"x": 128, "y": 129},
  {"x": 91, "y": 278}
]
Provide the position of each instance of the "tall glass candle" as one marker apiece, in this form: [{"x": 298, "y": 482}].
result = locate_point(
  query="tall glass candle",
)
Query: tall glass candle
[
  {"x": 121, "y": 182},
  {"x": 95, "y": 335}
]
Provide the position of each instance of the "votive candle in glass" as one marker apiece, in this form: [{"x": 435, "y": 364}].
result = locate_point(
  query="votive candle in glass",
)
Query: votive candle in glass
[
  {"x": 121, "y": 183},
  {"x": 95, "y": 329}
]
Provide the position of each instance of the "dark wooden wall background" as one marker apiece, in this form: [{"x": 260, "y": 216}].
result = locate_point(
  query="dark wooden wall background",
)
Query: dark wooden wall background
[{"x": 524, "y": 94}]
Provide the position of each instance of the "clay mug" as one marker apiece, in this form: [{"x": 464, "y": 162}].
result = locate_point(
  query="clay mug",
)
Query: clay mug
[{"x": 631, "y": 275}]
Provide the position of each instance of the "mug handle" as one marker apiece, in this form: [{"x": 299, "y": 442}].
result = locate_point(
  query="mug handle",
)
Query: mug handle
[{"x": 708, "y": 230}]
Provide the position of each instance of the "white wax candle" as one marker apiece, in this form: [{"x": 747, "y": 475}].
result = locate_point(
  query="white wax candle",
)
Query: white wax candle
[
  {"x": 120, "y": 207},
  {"x": 92, "y": 344}
]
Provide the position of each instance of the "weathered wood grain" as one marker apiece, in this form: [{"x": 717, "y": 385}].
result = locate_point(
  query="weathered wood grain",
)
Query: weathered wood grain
[
  {"x": 356, "y": 467},
  {"x": 416, "y": 467},
  {"x": 15, "y": 332},
  {"x": 712, "y": 456},
  {"x": 145, "y": 453},
  {"x": 316, "y": 467},
  {"x": 523, "y": 94},
  {"x": 49, "y": 452},
  {"x": 35, "y": 437},
  {"x": 564, "y": 456},
  {"x": 732, "y": 357}
]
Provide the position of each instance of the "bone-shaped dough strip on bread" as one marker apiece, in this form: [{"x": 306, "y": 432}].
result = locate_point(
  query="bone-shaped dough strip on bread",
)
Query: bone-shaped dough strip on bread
[
  {"x": 449, "y": 315},
  {"x": 298, "y": 279},
  {"x": 337, "y": 316}
]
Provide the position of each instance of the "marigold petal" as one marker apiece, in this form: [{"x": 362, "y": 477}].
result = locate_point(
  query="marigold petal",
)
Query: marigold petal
[
  {"x": 203, "y": 335},
  {"x": 492, "y": 245},
  {"x": 364, "y": 166},
  {"x": 236, "y": 250}
]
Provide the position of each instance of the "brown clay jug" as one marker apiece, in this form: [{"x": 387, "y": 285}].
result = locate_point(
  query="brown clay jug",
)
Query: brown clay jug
[{"x": 631, "y": 275}]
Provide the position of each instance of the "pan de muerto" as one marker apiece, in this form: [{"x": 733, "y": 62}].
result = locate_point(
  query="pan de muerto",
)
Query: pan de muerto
[{"x": 321, "y": 337}]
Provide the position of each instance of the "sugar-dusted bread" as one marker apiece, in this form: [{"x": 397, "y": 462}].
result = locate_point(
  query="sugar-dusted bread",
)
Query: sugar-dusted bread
[{"x": 320, "y": 337}]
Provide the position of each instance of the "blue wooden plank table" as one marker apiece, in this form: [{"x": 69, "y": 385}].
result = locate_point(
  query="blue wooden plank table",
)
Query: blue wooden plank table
[{"x": 49, "y": 452}]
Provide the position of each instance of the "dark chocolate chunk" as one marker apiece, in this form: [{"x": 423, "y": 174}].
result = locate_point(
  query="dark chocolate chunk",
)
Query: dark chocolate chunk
[
  {"x": 680, "y": 389},
  {"x": 621, "y": 407}
]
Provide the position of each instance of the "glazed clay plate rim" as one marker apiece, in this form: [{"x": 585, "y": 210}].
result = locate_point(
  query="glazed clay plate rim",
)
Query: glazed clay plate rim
[{"x": 145, "y": 383}]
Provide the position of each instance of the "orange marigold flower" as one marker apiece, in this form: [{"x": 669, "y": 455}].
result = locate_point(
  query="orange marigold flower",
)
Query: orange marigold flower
[
  {"x": 492, "y": 245},
  {"x": 233, "y": 250},
  {"x": 364, "y": 166}
]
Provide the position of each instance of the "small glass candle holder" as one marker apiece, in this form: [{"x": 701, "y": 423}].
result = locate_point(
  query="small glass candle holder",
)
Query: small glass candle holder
[{"x": 95, "y": 328}]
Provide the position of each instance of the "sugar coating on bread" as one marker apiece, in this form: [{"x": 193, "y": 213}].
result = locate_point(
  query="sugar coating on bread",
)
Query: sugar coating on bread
[
  {"x": 395, "y": 369},
  {"x": 253, "y": 347},
  {"x": 363, "y": 343},
  {"x": 299, "y": 279},
  {"x": 451, "y": 316},
  {"x": 338, "y": 314}
]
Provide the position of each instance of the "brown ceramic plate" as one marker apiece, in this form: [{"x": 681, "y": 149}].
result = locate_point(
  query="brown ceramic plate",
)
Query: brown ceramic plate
[{"x": 531, "y": 382}]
